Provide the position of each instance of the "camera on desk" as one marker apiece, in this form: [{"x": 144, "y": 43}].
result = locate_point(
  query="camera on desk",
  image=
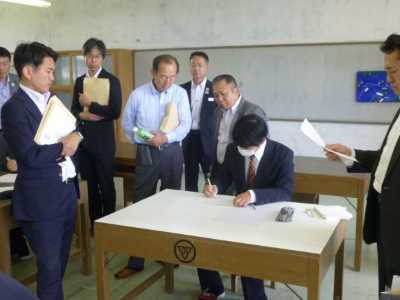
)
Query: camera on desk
[{"x": 285, "y": 214}]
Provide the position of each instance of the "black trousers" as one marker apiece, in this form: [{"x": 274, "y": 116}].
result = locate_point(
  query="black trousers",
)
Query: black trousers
[
  {"x": 210, "y": 281},
  {"x": 97, "y": 169},
  {"x": 194, "y": 156},
  {"x": 154, "y": 164},
  {"x": 18, "y": 244}
]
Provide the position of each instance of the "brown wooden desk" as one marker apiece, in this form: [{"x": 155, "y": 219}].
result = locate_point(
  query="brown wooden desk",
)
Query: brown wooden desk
[
  {"x": 320, "y": 176},
  {"x": 175, "y": 236},
  {"x": 7, "y": 223}
]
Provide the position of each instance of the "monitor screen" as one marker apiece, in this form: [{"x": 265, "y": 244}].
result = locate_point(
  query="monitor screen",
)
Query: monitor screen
[{"x": 372, "y": 86}]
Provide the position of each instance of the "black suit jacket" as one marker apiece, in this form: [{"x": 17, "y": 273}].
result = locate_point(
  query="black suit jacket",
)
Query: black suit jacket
[
  {"x": 274, "y": 177},
  {"x": 207, "y": 120},
  {"x": 99, "y": 135},
  {"x": 382, "y": 215}
]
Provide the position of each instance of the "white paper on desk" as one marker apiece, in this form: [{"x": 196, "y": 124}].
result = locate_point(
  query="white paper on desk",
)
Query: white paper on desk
[
  {"x": 334, "y": 212},
  {"x": 8, "y": 178},
  {"x": 242, "y": 215},
  {"x": 313, "y": 135},
  {"x": 57, "y": 122}
]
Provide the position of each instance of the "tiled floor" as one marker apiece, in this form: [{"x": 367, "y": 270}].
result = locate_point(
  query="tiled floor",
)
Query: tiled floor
[{"x": 357, "y": 285}]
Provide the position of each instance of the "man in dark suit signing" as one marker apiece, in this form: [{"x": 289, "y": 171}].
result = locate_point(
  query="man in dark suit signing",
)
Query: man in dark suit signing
[
  {"x": 199, "y": 145},
  {"x": 262, "y": 171},
  {"x": 382, "y": 215},
  {"x": 97, "y": 151},
  {"x": 231, "y": 107},
  {"x": 44, "y": 202}
]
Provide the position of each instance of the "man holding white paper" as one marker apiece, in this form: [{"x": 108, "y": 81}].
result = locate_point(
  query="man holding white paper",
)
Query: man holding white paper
[
  {"x": 44, "y": 204},
  {"x": 382, "y": 216}
]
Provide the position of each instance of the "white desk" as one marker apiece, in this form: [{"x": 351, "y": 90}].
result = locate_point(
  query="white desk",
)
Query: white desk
[{"x": 184, "y": 227}]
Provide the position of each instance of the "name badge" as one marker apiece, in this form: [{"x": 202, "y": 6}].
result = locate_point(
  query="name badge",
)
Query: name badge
[{"x": 211, "y": 99}]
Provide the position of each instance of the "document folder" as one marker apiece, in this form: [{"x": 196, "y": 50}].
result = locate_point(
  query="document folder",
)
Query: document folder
[
  {"x": 97, "y": 90},
  {"x": 57, "y": 122},
  {"x": 171, "y": 118}
]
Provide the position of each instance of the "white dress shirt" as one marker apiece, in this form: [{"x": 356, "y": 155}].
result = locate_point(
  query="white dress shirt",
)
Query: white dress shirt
[
  {"x": 258, "y": 155},
  {"x": 95, "y": 75},
  {"x": 225, "y": 130},
  {"x": 39, "y": 99},
  {"x": 386, "y": 155},
  {"x": 196, "y": 99}
]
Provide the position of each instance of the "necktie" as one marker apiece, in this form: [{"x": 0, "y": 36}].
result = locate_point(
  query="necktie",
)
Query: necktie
[{"x": 251, "y": 172}]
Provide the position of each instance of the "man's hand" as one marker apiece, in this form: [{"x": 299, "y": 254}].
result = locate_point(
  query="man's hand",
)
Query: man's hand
[
  {"x": 210, "y": 190},
  {"x": 11, "y": 165},
  {"x": 242, "y": 199},
  {"x": 338, "y": 148},
  {"x": 84, "y": 101},
  {"x": 158, "y": 139},
  {"x": 87, "y": 116},
  {"x": 70, "y": 144}
]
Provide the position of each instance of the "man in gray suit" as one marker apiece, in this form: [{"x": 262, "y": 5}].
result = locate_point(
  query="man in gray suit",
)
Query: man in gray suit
[{"x": 231, "y": 107}]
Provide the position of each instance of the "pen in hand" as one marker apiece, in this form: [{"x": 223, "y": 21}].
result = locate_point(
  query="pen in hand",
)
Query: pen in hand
[{"x": 210, "y": 190}]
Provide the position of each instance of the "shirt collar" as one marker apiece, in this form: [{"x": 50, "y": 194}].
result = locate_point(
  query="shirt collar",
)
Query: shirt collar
[
  {"x": 156, "y": 92},
  {"x": 260, "y": 151},
  {"x": 34, "y": 95},
  {"x": 202, "y": 84},
  {"x": 95, "y": 75},
  {"x": 234, "y": 108}
]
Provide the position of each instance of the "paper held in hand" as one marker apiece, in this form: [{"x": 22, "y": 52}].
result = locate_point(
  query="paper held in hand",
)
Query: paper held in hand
[
  {"x": 97, "y": 89},
  {"x": 171, "y": 118},
  {"x": 313, "y": 135},
  {"x": 57, "y": 122}
]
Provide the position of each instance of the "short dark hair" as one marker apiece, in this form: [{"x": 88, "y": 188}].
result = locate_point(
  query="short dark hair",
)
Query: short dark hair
[
  {"x": 249, "y": 130},
  {"x": 94, "y": 43},
  {"x": 5, "y": 53},
  {"x": 31, "y": 54},
  {"x": 201, "y": 54},
  {"x": 391, "y": 44},
  {"x": 225, "y": 77},
  {"x": 165, "y": 58}
]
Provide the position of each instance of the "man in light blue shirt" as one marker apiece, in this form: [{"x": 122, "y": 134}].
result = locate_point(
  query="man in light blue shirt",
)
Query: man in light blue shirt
[
  {"x": 161, "y": 157},
  {"x": 8, "y": 86}
]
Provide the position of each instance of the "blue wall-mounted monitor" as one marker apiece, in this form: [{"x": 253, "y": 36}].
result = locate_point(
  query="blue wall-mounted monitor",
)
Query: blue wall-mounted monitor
[{"x": 372, "y": 86}]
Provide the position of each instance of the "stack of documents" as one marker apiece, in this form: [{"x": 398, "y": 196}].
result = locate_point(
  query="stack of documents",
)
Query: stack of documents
[
  {"x": 8, "y": 178},
  {"x": 333, "y": 212},
  {"x": 57, "y": 122}
]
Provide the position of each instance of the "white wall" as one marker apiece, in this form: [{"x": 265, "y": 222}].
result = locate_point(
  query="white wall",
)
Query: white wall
[
  {"x": 146, "y": 24},
  {"x": 358, "y": 136}
]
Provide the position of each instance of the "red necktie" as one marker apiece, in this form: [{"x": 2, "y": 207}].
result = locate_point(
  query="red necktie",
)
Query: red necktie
[{"x": 251, "y": 172}]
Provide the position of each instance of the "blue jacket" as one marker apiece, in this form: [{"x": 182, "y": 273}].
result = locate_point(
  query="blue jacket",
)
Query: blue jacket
[{"x": 39, "y": 193}]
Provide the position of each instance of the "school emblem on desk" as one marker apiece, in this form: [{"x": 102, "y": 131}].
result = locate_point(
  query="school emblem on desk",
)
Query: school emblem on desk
[{"x": 185, "y": 251}]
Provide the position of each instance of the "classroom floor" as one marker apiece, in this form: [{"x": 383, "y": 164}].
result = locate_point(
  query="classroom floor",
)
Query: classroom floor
[{"x": 357, "y": 285}]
